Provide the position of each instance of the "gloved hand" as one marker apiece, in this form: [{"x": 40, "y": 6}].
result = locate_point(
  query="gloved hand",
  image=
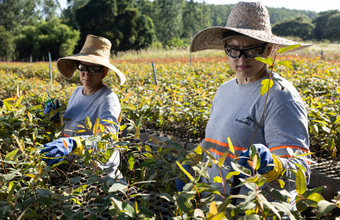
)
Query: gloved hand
[
  {"x": 57, "y": 149},
  {"x": 265, "y": 157},
  {"x": 179, "y": 183},
  {"x": 50, "y": 105}
]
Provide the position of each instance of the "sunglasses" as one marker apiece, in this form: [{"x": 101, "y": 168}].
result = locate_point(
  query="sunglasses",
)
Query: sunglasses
[
  {"x": 249, "y": 53},
  {"x": 93, "y": 70}
]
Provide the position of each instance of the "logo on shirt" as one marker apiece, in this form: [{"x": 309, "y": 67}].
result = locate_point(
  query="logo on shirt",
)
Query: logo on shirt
[{"x": 247, "y": 120}]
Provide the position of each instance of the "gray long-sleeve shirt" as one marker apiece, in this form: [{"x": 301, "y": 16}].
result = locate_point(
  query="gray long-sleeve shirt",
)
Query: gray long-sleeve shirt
[
  {"x": 103, "y": 104},
  {"x": 236, "y": 111}
]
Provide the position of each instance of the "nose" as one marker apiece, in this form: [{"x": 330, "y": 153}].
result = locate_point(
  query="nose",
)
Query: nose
[{"x": 243, "y": 57}]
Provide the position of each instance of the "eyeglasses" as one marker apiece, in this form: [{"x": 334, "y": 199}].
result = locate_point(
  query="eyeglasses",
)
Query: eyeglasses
[
  {"x": 93, "y": 70},
  {"x": 249, "y": 53}
]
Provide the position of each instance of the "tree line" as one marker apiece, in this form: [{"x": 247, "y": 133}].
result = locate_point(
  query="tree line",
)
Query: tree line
[{"x": 30, "y": 29}]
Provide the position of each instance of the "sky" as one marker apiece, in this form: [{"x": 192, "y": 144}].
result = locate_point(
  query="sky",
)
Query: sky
[{"x": 312, "y": 5}]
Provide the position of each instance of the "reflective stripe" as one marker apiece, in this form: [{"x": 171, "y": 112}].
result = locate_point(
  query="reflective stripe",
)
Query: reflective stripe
[
  {"x": 290, "y": 146},
  {"x": 221, "y": 153},
  {"x": 224, "y": 144}
]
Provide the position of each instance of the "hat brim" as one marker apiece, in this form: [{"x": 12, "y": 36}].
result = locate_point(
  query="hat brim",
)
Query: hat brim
[
  {"x": 212, "y": 38},
  {"x": 68, "y": 65}
]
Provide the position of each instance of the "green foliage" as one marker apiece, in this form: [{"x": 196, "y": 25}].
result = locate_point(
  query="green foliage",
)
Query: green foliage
[
  {"x": 321, "y": 24},
  {"x": 118, "y": 21},
  {"x": 52, "y": 36},
  {"x": 299, "y": 27},
  {"x": 7, "y": 45}
]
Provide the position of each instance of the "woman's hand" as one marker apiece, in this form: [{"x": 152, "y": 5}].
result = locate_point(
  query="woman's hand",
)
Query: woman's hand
[{"x": 56, "y": 151}]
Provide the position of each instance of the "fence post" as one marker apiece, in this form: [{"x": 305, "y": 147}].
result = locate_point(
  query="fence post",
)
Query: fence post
[
  {"x": 50, "y": 61},
  {"x": 154, "y": 72}
]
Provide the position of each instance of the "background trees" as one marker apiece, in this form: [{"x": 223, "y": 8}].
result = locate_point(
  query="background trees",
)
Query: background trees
[{"x": 133, "y": 24}]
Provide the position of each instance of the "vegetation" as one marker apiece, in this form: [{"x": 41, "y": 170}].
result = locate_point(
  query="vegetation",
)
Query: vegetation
[
  {"x": 133, "y": 25},
  {"x": 181, "y": 102}
]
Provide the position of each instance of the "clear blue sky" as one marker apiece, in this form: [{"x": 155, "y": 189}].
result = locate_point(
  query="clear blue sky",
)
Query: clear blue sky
[{"x": 313, "y": 5}]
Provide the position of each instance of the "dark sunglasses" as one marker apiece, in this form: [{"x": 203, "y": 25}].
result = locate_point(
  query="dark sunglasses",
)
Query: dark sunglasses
[
  {"x": 93, "y": 70},
  {"x": 249, "y": 53}
]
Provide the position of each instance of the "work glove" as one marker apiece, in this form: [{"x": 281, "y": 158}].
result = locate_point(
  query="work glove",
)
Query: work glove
[
  {"x": 271, "y": 167},
  {"x": 179, "y": 183},
  {"x": 57, "y": 149},
  {"x": 50, "y": 105}
]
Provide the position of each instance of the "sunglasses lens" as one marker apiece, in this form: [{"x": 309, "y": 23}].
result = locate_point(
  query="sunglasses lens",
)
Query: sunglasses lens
[
  {"x": 81, "y": 67},
  {"x": 95, "y": 69},
  {"x": 255, "y": 52},
  {"x": 232, "y": 52}
]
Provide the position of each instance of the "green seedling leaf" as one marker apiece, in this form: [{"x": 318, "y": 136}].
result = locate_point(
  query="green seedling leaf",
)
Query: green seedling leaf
[
  {"x": 230, "y": 174},
  {"x": 212, "y": 158},
  {"x": 300, "y": 181},
  {"x": 222, "y": 159},
  {"x": 139, "y": 122},
  {"x": 330, "y": 143},
  {"x": 266, "y": 85},
  {"x": 186, "y": 172},
  {"x": 108, "y": 121},
  {"x": 95, "y": 126},
  {"x": 315, "y": 197},
  {"x": 79, "y": 190},
  {"x": 324, "y": 207},
  {"x": 231, "y": 146},
  {"x": 88, "y": 123},
  {"x": 75, "y": 180},
  {"x": 284, "y": 49},
  {"x": 118, "y": 187},
  {"x": 287, "y": 64},
  {"x": 131, "y": 160},
  {"x": 217, "y": 179},
  {"x": 240, "y": 169},
  {"x": 11, "y": 155},
  {"x": 267, "y": 60}
]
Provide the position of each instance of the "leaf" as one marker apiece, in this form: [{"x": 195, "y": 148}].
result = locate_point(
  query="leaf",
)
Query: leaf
[
  {"x": 10, "y": 155},
  {"x": 267, "y": 60},
  {"x": 131, "y": 160},
  {"x": 95, "y": 127},
  {"x": 118, "y": 187},
  {"x": 300, "y": 182},
  {"x": 222, "y": 159},
  {"x": 88, "y": 123},
  {"x": 213, "y": 208},
  {"x": 231, "y": 147},
  {"x": 338, "y": 90},
  {"x": 324, "y": 207},
  {"x": 212, "y": 158},
  {"x": 198, "y": 150},
  {"x": 266, "y": 85},
  {"x": 284, "y": 49},
  {"x": 186, "y": 172},
  {"x": 65, "y": 144},
  {"x": 287, "y": 64},
  {"x": 111, "y": 122},
  {"x": 199, "y": 213},
  {"x": 217, "y": 179}
]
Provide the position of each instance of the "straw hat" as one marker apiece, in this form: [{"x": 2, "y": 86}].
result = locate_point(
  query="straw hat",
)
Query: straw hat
[
  {"x": 247, "y": 18},
  {"x": 95, "y": 50}
]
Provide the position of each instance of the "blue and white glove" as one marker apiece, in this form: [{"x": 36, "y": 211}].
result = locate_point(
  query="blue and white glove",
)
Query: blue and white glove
[
  {"x": 179, "y": 183},
  {"x": 50, "y": 105},
  {"x": 57, "y": 149},
  {"x": 266, "y": 158}
]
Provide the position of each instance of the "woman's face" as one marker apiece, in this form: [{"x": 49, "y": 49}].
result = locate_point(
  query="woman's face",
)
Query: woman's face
[
  {"x": 246, "y": 68},
  {"x": 90, "y": 80}
]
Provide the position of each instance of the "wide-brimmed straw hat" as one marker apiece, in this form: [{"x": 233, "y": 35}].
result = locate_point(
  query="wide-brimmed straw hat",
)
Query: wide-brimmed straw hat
[
  {"x": 250, "y": 19},
  {"x": 96, "y": 50}
]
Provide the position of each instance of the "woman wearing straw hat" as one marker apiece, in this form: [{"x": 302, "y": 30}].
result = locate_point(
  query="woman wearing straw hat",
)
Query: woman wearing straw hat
[
  {"x": 238, "y": 106},
  {"x": 92, "y": 99}
]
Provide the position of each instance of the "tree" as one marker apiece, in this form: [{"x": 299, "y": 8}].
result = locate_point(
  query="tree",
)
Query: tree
[
  {"x": 298, "y": 27},
  {"x": 54, "y": 37},
  {"x": 7, "y": 45},
  {"x": 16, "y": 13},
  {"x": 115, "y": 20},
  {"x": 68, "y": 15},
  {"x": 169, "y": 20},
  {"x": 333, "y": 29},
  {"x": 321, "y": 27},
  {"x": 49, "y": 9}
]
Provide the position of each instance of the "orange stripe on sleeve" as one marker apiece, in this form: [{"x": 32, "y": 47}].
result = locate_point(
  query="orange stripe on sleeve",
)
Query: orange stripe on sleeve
[
  {"x": 290, "y": 146},
  {"x": 220, "y": 153},
  {"x": 224, "y": 144}
]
